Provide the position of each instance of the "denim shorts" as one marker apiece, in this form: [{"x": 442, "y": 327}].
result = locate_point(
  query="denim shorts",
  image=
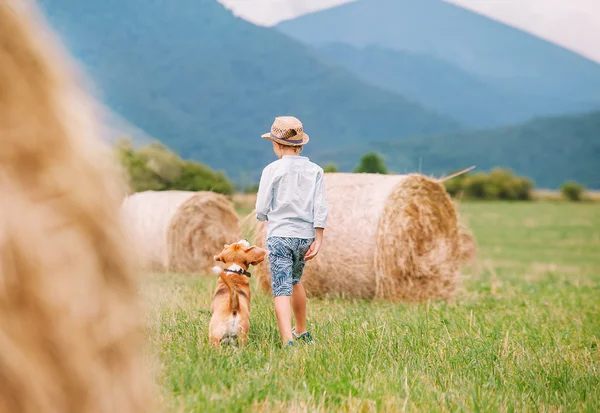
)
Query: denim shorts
[{"x": 286, "y": 257}]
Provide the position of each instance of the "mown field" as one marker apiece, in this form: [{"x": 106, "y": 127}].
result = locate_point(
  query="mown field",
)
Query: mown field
[{"x": 522, "y": 335}]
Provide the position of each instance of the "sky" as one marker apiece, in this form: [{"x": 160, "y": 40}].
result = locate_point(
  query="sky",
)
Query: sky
[{"x": 574, "y": 24}]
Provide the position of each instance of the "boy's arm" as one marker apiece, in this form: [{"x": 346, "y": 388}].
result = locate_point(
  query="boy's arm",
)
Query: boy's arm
[
  {"x": 315, "y": 246},
  {"x": 264, "y": 197},
  {"x": 320, "y": 205},
  {"x": 321, "y": 210}
]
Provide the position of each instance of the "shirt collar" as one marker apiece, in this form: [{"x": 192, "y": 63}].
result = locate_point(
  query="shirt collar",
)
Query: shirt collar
[{"x": 294, "y": 157}]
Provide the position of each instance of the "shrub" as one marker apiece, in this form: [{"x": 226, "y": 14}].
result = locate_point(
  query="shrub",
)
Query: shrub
[
  {"x": 524, "y": 188},
  {"x": 330, "y": 168},
  {"x": 155, "y": 167},
  {"x": 372, "y": 163},
  {"x": 572, "y": 191},
  {"x": 197, "y": 177},
  {"x": 476, "y": 186},
  {"x": 455, "y": 186},
  {"x": 507, "y": 186},
  {"x": 252, "y": 189},
  {"x": 165, "y": 164},
  {"x": 140, "y": 177},
  {"x": 498, "y": 184}
]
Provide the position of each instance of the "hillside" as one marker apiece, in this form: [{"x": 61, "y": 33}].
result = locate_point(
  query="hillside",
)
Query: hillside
[
  {"x": 548, "y": 150},
  {"x": 208, "y": 84},
  {"x": 116, "y": 127},
  {"x": 437, "y": 84},
  {"x": 508, "y": 60}
]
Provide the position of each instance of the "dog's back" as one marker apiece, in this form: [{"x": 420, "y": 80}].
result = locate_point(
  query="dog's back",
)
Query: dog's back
[
  {"x": 234, "y": 301},
  {"x": 231, "y": 309}
]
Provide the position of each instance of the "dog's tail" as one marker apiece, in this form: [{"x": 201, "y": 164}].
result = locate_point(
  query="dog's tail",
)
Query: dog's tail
[{"x": 233, "y": 294}]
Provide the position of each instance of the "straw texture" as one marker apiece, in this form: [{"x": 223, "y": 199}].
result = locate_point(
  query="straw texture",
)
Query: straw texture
[
  {"x": 469, "y": 251},
  {"x": 201, "y": 226},
  {"x": 148, "y": 216},
  {"x": 387, "y": 237},
  {"x": 71, "y": 331},
  {"x": 179, "y": 230},
  {"x": 287, "y": 130}
]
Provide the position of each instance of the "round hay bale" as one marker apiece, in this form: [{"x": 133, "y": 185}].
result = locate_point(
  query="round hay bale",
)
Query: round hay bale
[
  {"x": 469, "y": 250},
  {"x": 148, "y": 216},
  {"x": 198, "y": 231},
  {"x": 72, "y": 331},
  {"x": 180, "y": 231},
  {"x": 388, "y": 237}
]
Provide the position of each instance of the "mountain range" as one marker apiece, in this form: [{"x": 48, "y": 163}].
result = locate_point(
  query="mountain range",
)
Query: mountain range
[
  {"x": 439, "y": 85},
  {"x": 207, "y": 84},
  {"x": 548, "y": 150},
  {"x": 498, "y": 74}
]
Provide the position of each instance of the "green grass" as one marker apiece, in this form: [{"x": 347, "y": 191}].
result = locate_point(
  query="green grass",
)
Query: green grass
[{"x": 522, "y": 335}]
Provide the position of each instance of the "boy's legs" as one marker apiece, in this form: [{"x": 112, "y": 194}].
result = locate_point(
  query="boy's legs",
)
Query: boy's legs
[
  {"x": 281, "y": 263},
  {"x": 299, "y": 306},
  {"x": 283, "y": 312},
  {"x": 298, "y": 293}
]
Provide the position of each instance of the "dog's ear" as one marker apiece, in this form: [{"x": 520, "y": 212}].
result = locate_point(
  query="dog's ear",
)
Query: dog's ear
[
  {"x": 256, "y": 255},
  {"x": 220, "y": 256}
]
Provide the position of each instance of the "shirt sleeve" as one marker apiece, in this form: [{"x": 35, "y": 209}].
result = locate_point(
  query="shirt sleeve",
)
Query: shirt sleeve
[
  {"x": 321, "y": 205},
  {"x": 265, "y": 195}
]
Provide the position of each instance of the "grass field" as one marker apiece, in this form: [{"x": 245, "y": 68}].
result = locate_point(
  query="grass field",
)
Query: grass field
[{"x": 522, "y": 335}]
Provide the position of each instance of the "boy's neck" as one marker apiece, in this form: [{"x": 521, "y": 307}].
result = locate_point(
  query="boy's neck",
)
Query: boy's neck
[{"x": 288, "y": 151}]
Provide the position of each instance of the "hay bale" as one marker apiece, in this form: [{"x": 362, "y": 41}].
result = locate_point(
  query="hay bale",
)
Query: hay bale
[
  {"x": 71, "y": 325},
  {"x": 180, "y": 231},
  {"x": 469, "y": 250},
  {"x": 201, "y": 226},
  {"x": 388, "y": 237},
  {"x": 148, "y": 216}
]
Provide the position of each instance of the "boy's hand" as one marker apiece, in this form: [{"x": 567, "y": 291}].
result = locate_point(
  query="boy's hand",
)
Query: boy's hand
[
  {"x": 315, "y": 246},
  {"x": 313, "y": 251}
]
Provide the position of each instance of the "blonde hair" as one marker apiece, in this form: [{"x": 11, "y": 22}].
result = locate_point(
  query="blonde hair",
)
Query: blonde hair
[
  {"x": 298, "y": 149},
  {"x": 70, "y": 325}
]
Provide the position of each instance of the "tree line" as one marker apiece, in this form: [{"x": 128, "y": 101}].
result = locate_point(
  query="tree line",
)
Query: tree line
[
  {"x": 155, "y": 167},
  {"x": 498, "y": 184}
]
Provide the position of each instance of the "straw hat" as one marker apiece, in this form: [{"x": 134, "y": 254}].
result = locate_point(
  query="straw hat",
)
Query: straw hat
[{"x": 287, "y": 130}]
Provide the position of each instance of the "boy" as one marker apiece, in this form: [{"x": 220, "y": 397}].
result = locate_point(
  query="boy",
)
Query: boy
[{"x": 291, "y": 197}]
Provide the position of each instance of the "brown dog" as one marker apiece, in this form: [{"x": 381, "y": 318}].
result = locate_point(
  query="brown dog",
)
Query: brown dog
[{"x": 231, "y": 302}]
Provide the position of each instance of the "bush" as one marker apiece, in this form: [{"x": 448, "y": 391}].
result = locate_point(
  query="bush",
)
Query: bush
[
  {"x": 372, "y": 163},
  {"x": 572, "y": 191},
  {"x": 197, "y": 177},
  {"x": 525, "y": 187},
  {"x": 455, "y": 186},
  {"x": 330, "y": 168},
  {"x": 252, "y": 189},
  {"x": 140, "y": 177},
  {"x": 498, "y": 184},
  {"x": 507, "y": 186},
  {"x": 155, "y": 167},
  {"x": 166, "y": 165},
  {"x": 478, "y": 187}
]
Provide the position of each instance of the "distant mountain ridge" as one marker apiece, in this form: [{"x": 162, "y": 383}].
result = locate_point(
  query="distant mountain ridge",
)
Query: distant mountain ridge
[
  {"x": 548, "y": 150},
  {"x": 208, "y": 84},
  {"x": 438, "y": 85},
  {"x": 507, "y": 60}
]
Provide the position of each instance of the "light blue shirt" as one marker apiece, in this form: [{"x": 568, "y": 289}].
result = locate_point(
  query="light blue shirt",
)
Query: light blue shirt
[{"x": 291, "y": 197}]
